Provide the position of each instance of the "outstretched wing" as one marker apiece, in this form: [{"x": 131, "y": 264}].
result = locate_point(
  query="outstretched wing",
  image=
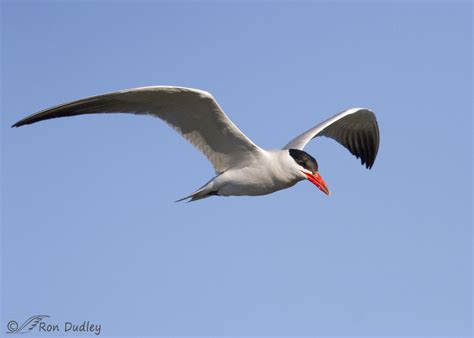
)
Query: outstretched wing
[
  {"x": 193, "y": 113},
  {"x": 355, "y": 128}
]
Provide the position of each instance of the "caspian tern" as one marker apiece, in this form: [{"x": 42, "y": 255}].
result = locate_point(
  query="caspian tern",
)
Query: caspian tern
[{"x": 242, "y": 167}]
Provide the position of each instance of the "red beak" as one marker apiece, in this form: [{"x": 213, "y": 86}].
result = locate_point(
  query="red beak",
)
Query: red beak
[{"x": 318, "y": 181}]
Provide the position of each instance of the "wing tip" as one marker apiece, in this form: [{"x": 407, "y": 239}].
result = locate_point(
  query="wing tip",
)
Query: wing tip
[{"x": 22, "y": 122}]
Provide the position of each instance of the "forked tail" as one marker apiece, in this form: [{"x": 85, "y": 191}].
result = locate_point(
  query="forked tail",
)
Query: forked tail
[
  {"x": 198, "y": 196},
  {"x": 205, "y": 191}
]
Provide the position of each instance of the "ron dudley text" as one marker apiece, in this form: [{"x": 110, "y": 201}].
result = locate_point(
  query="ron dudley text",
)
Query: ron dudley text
[{"x": 84, "y": 327}]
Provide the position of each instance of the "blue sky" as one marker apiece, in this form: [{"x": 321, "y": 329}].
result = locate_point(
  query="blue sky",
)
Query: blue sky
[{"x": 89, "y": 227}]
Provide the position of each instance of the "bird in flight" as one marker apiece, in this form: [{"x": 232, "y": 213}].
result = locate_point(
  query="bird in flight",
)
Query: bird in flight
[{"x": 242, "y": 168}]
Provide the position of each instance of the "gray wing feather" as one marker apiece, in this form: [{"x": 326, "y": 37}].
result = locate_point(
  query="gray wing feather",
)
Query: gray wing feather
[{"x": 195, "y": 114}]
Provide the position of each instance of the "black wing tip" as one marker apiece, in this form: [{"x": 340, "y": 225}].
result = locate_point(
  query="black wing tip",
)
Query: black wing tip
[
  {"x": 20, "y": 123},
  {"x": 26, "y": 121},
  {"x": 369, "y": 162}
]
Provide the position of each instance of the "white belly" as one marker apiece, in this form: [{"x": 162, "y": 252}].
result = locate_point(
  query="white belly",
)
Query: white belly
[{"x": 251, "y": 182}]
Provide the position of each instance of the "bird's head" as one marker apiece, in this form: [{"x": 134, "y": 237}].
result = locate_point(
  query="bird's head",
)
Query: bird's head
[{"x": 308, "y": 167}]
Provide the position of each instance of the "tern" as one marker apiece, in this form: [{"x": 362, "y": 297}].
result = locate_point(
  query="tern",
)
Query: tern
[{"x": 242, "y": 168}]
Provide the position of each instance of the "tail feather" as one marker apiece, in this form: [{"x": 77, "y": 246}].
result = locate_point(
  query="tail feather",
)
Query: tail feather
[
  {"x": 198, "y": 196},
  {"x": 184, "y": 198},
  {"x": 205, "y": 191}
]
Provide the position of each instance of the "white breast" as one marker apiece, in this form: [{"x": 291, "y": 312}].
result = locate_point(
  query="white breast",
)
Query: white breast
[{"x": 273, "y": 171}]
